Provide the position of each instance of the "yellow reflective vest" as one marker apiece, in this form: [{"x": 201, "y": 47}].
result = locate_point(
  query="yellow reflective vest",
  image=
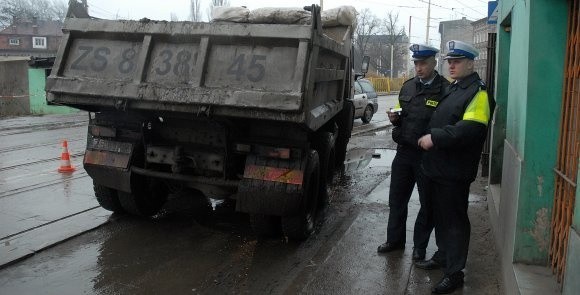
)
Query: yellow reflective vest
[{"x": 458, "y": 130}]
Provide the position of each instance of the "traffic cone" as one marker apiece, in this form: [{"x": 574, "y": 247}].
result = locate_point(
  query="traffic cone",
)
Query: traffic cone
[{"x": 65, "y": 165}]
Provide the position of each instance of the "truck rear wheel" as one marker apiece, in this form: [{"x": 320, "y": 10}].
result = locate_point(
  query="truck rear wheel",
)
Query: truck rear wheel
[
  {"x": 344, "y": 122},
  {"x": 107, "y": 198},
  {"x": 326, "y": 152},
  {"x": 147, "y": 197},
  {"x": 300, "y": 226},
  {"x": 265, "y": 225}
]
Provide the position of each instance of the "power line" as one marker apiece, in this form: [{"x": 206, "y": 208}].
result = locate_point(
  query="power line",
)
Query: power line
[
  {"x": 469, "y": 7},
  {"x": 91, "y": 5},
  {"x": 388, "y": 5},
  {"x": 452, "y": 9}
]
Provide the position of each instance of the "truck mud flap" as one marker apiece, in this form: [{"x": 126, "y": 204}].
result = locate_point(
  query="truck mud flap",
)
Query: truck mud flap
[
  {"x": 107, "y": 162},
  {"x": 271, "y": 186},
  {"x": 110, "y": 177}
]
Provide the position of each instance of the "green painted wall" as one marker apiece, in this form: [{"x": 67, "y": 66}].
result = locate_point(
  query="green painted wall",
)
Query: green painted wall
[
  {"x": 545, "y": 74},
  {"x": 501, "y": 100},
  {"x": 536, "y": 62},
  {"x": 38, "y": 106},
  {"x": 518, "y": 70}
]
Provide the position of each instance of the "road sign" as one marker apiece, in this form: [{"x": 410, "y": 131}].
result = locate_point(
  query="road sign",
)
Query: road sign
[{"x": 492, "y": 12}]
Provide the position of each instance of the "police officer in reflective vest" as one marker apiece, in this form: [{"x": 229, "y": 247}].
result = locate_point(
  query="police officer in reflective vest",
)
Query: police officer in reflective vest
[
  {"x": 418, "y": 99},
  {"x": 454, "y": 141}
]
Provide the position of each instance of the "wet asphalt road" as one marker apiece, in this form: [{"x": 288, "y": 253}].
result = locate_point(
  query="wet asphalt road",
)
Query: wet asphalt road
[{"x": 198, "y": 247}]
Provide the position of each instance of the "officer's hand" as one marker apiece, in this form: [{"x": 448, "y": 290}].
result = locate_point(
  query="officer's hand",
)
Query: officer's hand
[
  {"x": 393, "y": 117},
  {"x": 425, "y": 142}
]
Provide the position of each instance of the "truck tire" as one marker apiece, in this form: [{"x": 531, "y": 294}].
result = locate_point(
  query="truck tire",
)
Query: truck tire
[
  {"x": 344, "y": 122},
  {"x": 146, "y": 199},
  {"x": 367, "y": 115},
  {"x": 324, "y": 145},
  {"x": 300, "y": 226},
  {"x": 265, "y": 225},
  {"x": 107, "y": 198}
]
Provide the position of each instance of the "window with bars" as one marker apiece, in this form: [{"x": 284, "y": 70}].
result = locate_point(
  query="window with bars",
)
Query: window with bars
[{"x": 566, "y": 170}]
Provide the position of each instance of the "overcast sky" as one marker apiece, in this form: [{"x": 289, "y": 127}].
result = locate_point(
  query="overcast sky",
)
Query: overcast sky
[{"x": 441, "y": 10}]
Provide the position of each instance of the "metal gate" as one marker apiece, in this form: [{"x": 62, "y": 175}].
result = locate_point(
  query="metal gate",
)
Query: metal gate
[
  {"x": 566, "y": 169},
  {"x": 490, "y": 82}
]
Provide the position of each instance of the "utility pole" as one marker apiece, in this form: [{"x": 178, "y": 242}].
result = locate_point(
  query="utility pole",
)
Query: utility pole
[
  {"x": 392, "y": 61},
  {"x": 410, "y": 28},
  {"x": 321, "y": 5},
  {"x": 428, "y": 22}
]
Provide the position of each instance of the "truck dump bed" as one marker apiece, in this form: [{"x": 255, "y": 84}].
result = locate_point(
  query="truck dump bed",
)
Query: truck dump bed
[{"x": 293, "y": 73}]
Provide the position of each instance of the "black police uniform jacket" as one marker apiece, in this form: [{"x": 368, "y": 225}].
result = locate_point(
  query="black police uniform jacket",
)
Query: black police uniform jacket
[
  {"x": 418, "y": 102},
  {"x": 458, "y": 130}
]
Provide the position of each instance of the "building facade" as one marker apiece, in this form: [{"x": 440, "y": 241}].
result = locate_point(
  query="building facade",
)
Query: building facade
[
  {"x": 461, "y": 30},
  {"x": 22, "y": 84},
  {"x": 530, "y": 140},
  {"x": 31, "y": 38},
  {"x": 481, "y": 31}
]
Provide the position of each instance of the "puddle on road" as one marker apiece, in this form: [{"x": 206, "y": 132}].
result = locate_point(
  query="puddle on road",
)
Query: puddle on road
[
  {"x": 359, "y": 159},
  {"x": 362, "y": 158}
]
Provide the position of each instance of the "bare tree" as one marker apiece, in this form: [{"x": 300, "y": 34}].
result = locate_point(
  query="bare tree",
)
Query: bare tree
[
  {"x": 391, "y": 29},
  {"x": 394, "y": 37},
  {"x": 59, "y": 9},
  {"x": 215, "y": 3},
  {"x": 195, "y": 10},
  {"x": 387, "y": 36},
  {"x": 28, "y": 9},
  {"x": 367, "y": 26}
]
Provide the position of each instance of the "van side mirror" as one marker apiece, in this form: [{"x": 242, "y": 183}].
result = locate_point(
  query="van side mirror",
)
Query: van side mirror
[{"x": 365, "y": 64}]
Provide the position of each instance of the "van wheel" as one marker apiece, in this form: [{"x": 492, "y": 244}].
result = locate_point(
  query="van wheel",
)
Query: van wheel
[
  {"x": 368, "y": 115},
  {"x": 147, "y": 196},
  {"x": 300, "y": 226},
  {"x": 107, "y": 198}
]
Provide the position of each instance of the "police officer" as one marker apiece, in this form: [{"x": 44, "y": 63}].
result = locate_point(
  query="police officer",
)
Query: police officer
[
  {"x": 418, "y": 99},
  {"x": 454, "y": 142}
]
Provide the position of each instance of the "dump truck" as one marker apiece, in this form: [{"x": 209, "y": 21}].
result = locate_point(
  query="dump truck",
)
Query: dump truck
[{"x": 256, "y": 113}]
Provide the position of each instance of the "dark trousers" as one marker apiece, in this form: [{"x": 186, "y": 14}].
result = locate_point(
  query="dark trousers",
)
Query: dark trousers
[
  {"x": 452, "y": 228},
  {"x": 405, "y": 172}
]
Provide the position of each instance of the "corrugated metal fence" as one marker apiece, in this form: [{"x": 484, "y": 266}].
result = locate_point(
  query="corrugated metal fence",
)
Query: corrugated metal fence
[{"x": 566, "y": 169}]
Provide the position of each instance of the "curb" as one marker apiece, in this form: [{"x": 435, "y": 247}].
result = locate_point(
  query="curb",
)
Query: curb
[{"x": 371, "y": 127}]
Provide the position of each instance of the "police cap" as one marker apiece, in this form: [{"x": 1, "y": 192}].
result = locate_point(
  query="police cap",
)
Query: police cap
[
  {"x": 459, "y": 49},
  {"x": 422, "y": 51}
]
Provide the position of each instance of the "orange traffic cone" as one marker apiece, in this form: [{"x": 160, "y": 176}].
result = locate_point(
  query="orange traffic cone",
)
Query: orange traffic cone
[{"x": 65, "y": 165}]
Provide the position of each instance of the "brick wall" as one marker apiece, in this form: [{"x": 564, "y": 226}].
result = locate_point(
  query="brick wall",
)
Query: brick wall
[{"x": 25, "y": 47}]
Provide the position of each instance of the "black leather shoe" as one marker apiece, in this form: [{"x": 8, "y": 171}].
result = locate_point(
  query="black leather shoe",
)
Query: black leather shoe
[
  {"x": 418, "y": 254},
  {"x": 449, "y": 283},
  {"x": 428, "y": 264},
  {"x": 388, "y": 247}
]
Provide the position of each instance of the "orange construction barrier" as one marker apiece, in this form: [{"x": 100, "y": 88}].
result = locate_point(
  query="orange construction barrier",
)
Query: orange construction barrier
[{"x": 65, "y": 165}]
